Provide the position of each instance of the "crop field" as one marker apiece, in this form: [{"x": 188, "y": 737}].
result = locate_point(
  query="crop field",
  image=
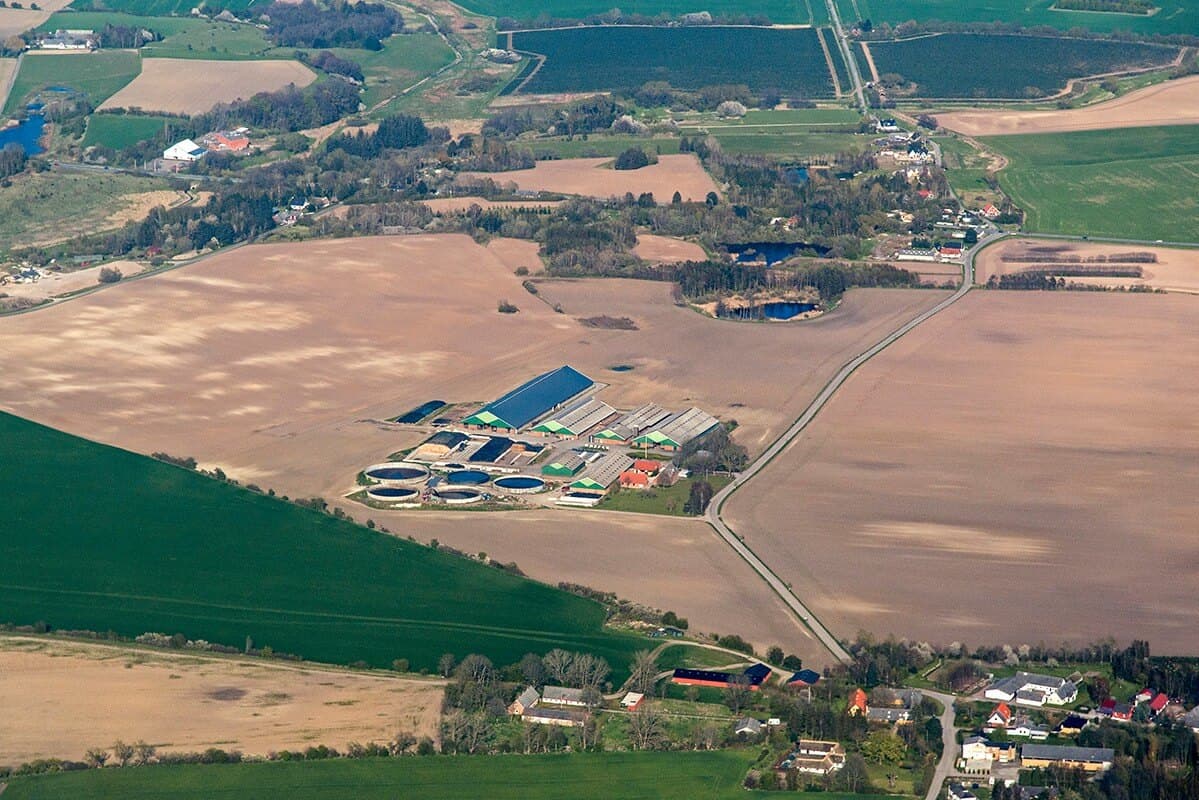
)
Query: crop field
[
  {"x": 777, "y": 11},
  {"x": 96, "y": 75},
  {"x": 787, "y": 133},
  {"x": 1004, "y": 430},
  {"x": 595, "y": 146},
  {"x": 302, "y": 582},
  {"x": 74, "y": 695},
  {"x": 15, "y": 21},
  {"x": 122, "y": 130},
  {"x": 1106, "y": 183},
  {"x": 183, "y": 37},
  {"x": 667, "y": 249},
  {"x": 153, "y": 8},
  {"x": 1175, "y": 16},
  {"x": 609, "y": 58},
  {"x": 947, "y": 65},
  {"x": 245, "y": 361},
  {"x": 44, "y": 207},
  {"x": 594, "y": 177},
  {"x": 1174, "y": 102},
  {"x": 714, "y": 775},
  {"x": 1172, "y": 270},
  {"x": 184, "y": 86}
]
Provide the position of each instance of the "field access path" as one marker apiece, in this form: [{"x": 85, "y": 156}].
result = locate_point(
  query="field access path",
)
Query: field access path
[{"x": 781, "y": 588}]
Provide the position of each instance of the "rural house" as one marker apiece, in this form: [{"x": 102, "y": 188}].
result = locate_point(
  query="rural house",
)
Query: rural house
[
  {"x": 812, "y": 757},
  {"x": 1034, "y": 690},
  {"x": 1088, "y": 759}
]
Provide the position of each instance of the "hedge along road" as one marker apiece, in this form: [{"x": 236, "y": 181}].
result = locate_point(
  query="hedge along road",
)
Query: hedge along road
[{"x": 713, "y": 514}]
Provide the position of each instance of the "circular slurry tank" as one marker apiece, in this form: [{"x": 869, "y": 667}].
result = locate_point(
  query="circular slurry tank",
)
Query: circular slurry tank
[
  {"x": 397, "y": 472},
  {"x": 467, "y": 477},
  {"x": 458, "y": 497},
  {"x": 520, "y": 484},
  {"x": 393, "y": 494}
]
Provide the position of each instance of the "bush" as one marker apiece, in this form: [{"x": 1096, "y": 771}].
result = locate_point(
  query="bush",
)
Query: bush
[
  {"x": 110, "y": 275},
  {"x": 505, "y": 307}
]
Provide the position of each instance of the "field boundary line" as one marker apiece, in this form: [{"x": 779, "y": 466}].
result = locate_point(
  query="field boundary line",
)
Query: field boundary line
[
  {"x": 869, "y": 60},
  {"x": 828, "y": 62},
  {"x": 713, "y": 517}
]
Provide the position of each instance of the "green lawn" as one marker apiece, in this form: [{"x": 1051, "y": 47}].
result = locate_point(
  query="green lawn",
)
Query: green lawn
[
  {"x": 145, "y": 546},
  {"x": 121, "y": 130},
  {"x": 95, "y": 20},
  {"x": 1137, "y": 183},
  {"x": 682, "y": 655},
  {"x": 40, "y": 207},
  {"x": 788, "y": 133},
  {"x": 97, "y": 75},
  {"x": 807, "y": 117},
  {"x": 658, "y": 500},
  {"x": 580, "y": 776},
  {"x": 215, "y": 40},
  {"x": 788, "y": 143}
]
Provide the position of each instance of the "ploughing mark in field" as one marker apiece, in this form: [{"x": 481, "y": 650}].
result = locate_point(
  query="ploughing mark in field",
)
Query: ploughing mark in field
[{"x": 187, "y": 86}]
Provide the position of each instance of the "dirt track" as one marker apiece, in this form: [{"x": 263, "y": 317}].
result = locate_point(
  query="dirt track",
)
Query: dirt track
[
  {"x": 1176, "y": 270},
  {"x": 187, "y": 86},
  {"x": 1171, "y": 103},
  {"x": 594, "y": 177},
  {"x": 61, "y": 698},
  {"x": 1018, "y": 469}
]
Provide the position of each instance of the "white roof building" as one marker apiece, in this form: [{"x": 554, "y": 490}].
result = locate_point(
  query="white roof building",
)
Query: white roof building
[{"x": 187, "y": 150}]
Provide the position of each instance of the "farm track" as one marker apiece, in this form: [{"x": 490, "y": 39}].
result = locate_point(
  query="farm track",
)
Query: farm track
[{"x": 828, "y": 60}]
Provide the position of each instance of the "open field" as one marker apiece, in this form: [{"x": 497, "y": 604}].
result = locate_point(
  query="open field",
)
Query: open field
[
  {"x": 159, "y": 8},
  {"x": 8, "y": 71},
  {"x": 1175, "y": 16},
  {"x": 15, "y": 21},
  {"x": 1137, "y": 185},
  {"x": 596, "y": 145},
  {"x": 122, "y": 130},
  {"x": 714, "y": 775},
  {"x": 182, "y": 36},
  {"x": 46, "y": 207},
  {"x": 403, "y": 60},
  {"x": 776, "y": 10},
  {"x": 1176, "y": 270},
  {"x": 598, "y": 58},
  {"x": 451, "y": 204},
  {"x": 594, "y": 177},
  {"x": 667, "y": 249},
  {"x": 790, "y": 133},
  {"x": 197, "y": 362},
  {"x": 155, "y": 556},
  {"x": 96, "y": 75},
  {"x": 69, "y": 696},
  {"x": 1041, "y": 440},
  {"x": 945, "y": 65},
  {"x": 1172, "y": 103},
  {"x": 56, "y": 284},
  {"x": 184, "y": 86}
]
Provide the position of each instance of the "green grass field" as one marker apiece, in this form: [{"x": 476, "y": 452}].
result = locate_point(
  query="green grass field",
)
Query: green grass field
[
  {"x": 403, "y": 60},
  {"x": 669, "y": 501},
  {"x": 1135, "y": 183},
  {"x": 159, "y": 7},
  {"x": 788, "y": 133},
  {"x": 121, "y": 130},
  {"x": 40, "y": 207},
  {"x": 803, "y": 11},
  {"x": 1176, "y": 16},
  {"x": 97, "y": 75},
  {"x": 599, "y": 146},
  {"x": 144, "y": 546},
  {"x": 183, "y": 37},
  {"x": 580, "y": 776}
]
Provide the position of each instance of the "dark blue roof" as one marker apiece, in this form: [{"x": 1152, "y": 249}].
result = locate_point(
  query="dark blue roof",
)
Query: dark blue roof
[
  {"x": 757, "y": 673},
  {"x": 530, "y": 400},
  {"x": 808, "y": 676}
]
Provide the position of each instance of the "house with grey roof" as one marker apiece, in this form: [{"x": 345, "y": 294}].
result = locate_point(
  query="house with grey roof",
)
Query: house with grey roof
[
  {"x": 1088, "y": 759},
  {"x": 1027, "y": 688}
]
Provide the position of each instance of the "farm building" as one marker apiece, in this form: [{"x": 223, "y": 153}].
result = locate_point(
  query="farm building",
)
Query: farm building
[
  {"x": 187, "y": 150},
  {"x": 603, "y": 473},
  {"x": 438, "y": 446},
  {"x": 527, "y": 699},
  {"x": 627, "y": 427},
  {"x": 632, "y": 701},
  {"x": 68, "y": 40},
  {"x": 1088, "y": 759},
  {"x": 565, "y": 467},
  {"x": 234, "y": 141},
  {"x": 1033, "y": 690},
  {"x": 678, "y": 429},
  {"x": 805, "y": 677},
  {"x": 554, "y": 716},
  {"x": 531, "y": 400},
  {"x": 631, "y": 479},
  {"x": 812, "y": 757},
  {"x": 756, "y": 675},
  {"x": 575, "y": 419},
  {"x": 563, "y": 696}
]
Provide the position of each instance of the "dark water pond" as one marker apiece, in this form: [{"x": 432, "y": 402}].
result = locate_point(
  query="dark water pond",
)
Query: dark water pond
[
  {"x": 775, "y": 309},
  {"x": 772, "y": 252},
  {"x": 26, "y": 135}
]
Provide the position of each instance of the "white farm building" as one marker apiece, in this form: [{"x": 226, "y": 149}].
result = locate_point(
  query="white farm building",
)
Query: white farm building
[{"x": 187, "y": 150}]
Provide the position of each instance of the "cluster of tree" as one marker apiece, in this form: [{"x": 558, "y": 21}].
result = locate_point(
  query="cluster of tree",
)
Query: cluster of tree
[
  {"x": 127, "y": 36},
  {"x": 632, "y": 158},
  {"x": 488, "y": 154},
  {"x": 584, "y": 116},
  {"x": 394, "y": 133},
  {"x": 288, "y": 109},
  {"x": 336, "y": 24},
  {"x": 699, "y": 279},
  {"x": 12, "y": 160},
  {"x": 333, "y": 64},
  {"x": 708, "y": 98},
  {"x": 715, "y": 452},
  {"x": 618, "y": 17}
]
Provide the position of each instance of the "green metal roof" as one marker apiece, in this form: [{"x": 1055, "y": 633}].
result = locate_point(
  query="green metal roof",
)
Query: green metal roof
[
  {"x": 655, "y": 438},
  {"x": 587, "y": 483},
  {"x": 553, "y": 426},
  {"x": 485, "y": 417}
]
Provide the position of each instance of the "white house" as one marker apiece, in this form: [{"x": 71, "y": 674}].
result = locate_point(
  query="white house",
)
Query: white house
[
  {"x": 1027, "y": 688},
  {"x": 563, "y": 696},
  {"x": 187, "y": 150}
]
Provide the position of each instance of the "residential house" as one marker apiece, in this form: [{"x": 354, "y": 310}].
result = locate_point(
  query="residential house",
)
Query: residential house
[
  {"x": 812, "y": 757},
  {"x": 1001, "y": 717},
  {"x": 1143, "y": 695},
  {"x": 858, "y": 706},
  {"x": 803, "y": 678},
  {"x": 1025, "y": 730},
  {"x": 1158, "y": 704},
  {"x": 563, "y": 696},
  {"x": 635, "y": 480},
  {"x": 957, "y": 791},
  {"x": 1071, "y": 725},
  {"x": 1031, "y": 689},
  {"x": 632, "y": 701},
  {"x": 527, "y": 699},
  {"x": 747, "y": 726}
]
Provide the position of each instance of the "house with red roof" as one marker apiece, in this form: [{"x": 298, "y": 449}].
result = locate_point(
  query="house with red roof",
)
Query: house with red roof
[
  {"x": 647, "y": 466},
  {"x": 858, "y": 705},
  {"x": 1158, "y": 704},
  {"x": 990, "y": 211},
  {"x": 629, "y": 479},
  {"x": 1001, "y": 717}
]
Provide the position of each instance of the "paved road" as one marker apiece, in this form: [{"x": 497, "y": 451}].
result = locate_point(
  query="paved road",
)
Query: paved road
[
  {"x": 713, "y": 515},
  {"x": 846, "y": 48},
  {"x": 949, "y": 740}
]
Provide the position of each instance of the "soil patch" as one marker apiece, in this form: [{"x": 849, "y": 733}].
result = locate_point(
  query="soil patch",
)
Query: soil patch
[
  {"x": 1172, "y": 270},
  {"x": 667, "y": 249},
  {"x": 188, "y": 86},
  {"x": 593, "y": 177}
]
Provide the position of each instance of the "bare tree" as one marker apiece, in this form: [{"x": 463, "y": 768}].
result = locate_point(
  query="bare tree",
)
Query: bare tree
[
  {"x": 96, "y": 757},
  {"x": 122, "y": 752},
  {"x": 706, "y": 736},
  {"x": 474, "y": 731},
  {"x": 143, "y": 753},
  {"x": 445, "y": 665},
  {"x": 557, "y": 664},
  {"x": 402, "y": 743},
  {"x": 592, "y": 697},
  {"x": 645, "y": 669},
  {"x": 453, "y": 729},
  {"x": 588, "y": 670},
  {"x": 532, "y": 670},
  {"x": 736, "y": 696},
  {"x": 647, "y": 728}
]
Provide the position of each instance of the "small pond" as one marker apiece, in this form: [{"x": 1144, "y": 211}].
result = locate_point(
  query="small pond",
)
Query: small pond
[
  {"x": 25, "y": 134},
  {"x": 775, "y": 309},
  {"x": 771, "y": 252}
]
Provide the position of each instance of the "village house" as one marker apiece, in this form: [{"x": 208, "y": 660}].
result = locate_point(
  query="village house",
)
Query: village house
[
  {"x": 563, "y": 696},
  {"x": 811, "y": 757},
  {"x": 857, "y": 704},
  {"x": 1026, "y": 688},
  {"x": 526, "y": 700},
  {"x": 1088, "y": 759},
  {"x": 1001, "y": 717},
  {"x": 632, "y": 701},
  {"x": 747, "y": 727}
]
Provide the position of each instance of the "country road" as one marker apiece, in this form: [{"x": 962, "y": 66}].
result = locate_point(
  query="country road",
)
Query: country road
[
  {"x": 782, "y": 589},
  {"x": 949, "y": 742}
]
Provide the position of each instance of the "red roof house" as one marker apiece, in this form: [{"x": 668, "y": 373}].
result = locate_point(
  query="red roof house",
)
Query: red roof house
[
  {"x": 634, "y": 480},
  {"x": 857, "y": 703},
  {"x": 1001, "y": 716},
  {"x": 1158, "y": 703},
  {"x": 647, "y": 465}
]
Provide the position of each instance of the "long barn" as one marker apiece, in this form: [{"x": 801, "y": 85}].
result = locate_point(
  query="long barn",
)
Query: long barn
[{"x": 531, "y": 400}]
